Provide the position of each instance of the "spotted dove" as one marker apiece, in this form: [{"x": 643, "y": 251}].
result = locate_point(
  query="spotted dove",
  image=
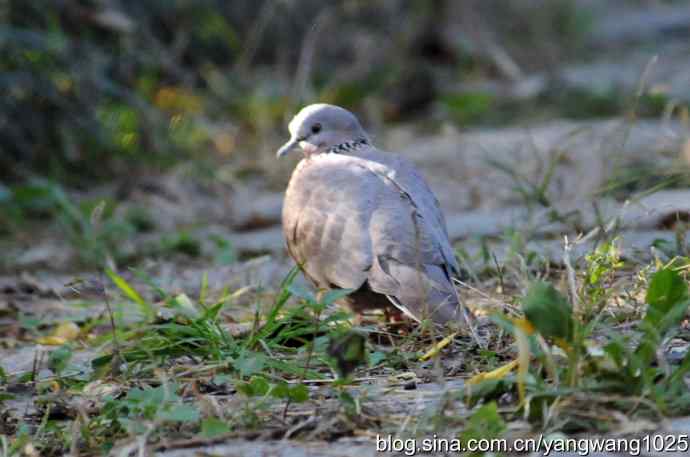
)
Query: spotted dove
[{"x": 358, "y": 218}]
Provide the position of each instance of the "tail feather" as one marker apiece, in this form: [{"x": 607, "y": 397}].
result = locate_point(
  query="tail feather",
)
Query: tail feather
[{"x": 424, "y": 293}]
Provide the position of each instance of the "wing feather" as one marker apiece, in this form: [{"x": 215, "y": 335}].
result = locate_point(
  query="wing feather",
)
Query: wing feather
[{"x": 348, "y": 220}]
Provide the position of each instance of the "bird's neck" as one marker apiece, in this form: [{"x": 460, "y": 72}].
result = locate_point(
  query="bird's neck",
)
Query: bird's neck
[{"x": 348, "y": 146}]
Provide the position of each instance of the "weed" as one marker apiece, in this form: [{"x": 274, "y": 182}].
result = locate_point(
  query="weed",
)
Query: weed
[
  {"x": 140, "y": 219},
  {"x": 182, "y": 243},
  {"x": 59, "y": 358},
  {"x": 485, "y": 423},
  {"x": 142, "y": 411},
  {"x": 600, "y": 272},
  {"x": 225, "y": 253},
  {"x": 641, "y": 176},
  {"x": 570, "y": 362},
  {"x": 92, "y": 227},
  {"x": 262, "y": 365},
  {"x": 468, "y": 107}
]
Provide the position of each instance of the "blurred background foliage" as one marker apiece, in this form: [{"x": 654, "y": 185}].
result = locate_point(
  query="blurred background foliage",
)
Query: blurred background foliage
[
  {"x": 101, "y": 98},
  {"x": 100, "y": 89}
]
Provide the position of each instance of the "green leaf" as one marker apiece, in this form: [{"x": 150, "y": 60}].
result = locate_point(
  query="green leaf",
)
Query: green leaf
[
  {"x": 334, "y": 295},
  {"x": 299, "y": 393},
  {"x": 348, "y": 402},
  {"x": 666, "y": 289},
  {"x": 282, "y": 297},
  {"x": 377, "y": 357},
  {"x": 280, "y": 390},
  {"x": 617, "y": 352},
  {"x": 549, "y": 311},
  {"x": 680, "y": 372},
  {"x": 212, "y": 312},
  {"x": 179, "y": 413},
  {"x": 213, "y": 427},
  {"x": 468, "y": 107},
  {"x": 149, "y": 395},
  {"x": 221, "y": 379},
  {"x": 260, "y": 385},
  {"x": 257, "y": 386},
  {"x": 300, "y": 292},
  {"x": 131, "y": 293},
  {"x": 27, "y": 376},
  {"x": 250, "y": 363},
  {"x": 349, "y": 351},
  {"x": 485, "y": 423},
  {"x": 59, "y": 358},
  {"x": 673, "y": 317},
  {"x": 654, "y": 327},
  {"x": 489, "y": 389},
  {"x": 225, "y": 253},
  {"x": 135, "y": 427},
  {"x": 185, "y": 306}
]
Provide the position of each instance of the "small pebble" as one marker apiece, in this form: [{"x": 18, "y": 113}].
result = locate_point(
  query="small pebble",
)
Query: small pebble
[{"x": 412, "y": 385}]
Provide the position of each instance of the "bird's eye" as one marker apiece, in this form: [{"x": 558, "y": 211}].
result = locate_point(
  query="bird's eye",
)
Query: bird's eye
[{"x": 316, "y": 128}]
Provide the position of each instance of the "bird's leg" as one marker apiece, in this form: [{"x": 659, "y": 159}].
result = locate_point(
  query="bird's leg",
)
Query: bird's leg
[{"x": 392, "y": 314}]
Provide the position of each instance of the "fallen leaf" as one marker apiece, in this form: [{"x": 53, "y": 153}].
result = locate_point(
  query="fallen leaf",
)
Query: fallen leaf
[
  {"x": 524, "y": 325},
  {"x": 100, "y": 390},
  {"x": 66, "y": 331},
  {"x": 404, "y": 377},
  {"x": 436, "y": 349},
  {"x": 494, "y": 375}
]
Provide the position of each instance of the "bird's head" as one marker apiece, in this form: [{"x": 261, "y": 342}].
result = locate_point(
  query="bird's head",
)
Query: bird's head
[{"x": 321, "y": 127}]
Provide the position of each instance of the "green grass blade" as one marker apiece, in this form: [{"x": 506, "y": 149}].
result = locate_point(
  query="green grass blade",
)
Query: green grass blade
[{"x": 131, "y": 293}]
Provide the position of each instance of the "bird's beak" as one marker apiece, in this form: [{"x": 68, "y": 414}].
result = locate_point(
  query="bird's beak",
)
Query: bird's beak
[{"x": 287, "y": 147}]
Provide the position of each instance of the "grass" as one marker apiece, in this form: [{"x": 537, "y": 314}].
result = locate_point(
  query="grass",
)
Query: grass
[
  {"x": 91, "y": 226},
  {"x": 265, "y": 364},
  {"x": 177, "y": 373},
  {"x": 100, "y": 230}
]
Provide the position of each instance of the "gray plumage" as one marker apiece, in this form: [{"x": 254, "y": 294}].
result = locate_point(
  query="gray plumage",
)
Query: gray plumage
[{"x": 359, "y": 218}]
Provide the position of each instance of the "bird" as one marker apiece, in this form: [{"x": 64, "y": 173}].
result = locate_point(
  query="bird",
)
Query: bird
[{"x": 358, "y": 218}]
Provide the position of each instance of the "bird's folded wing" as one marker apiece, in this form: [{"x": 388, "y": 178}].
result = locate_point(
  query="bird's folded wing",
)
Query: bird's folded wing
[
  {"x": 409, "y": 179},
  {"x": 428, "y": 204},
  {"x": 348, "y": 220}
]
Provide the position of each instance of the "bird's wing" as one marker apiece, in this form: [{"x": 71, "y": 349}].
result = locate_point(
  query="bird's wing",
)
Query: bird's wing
[
  {"x": 411, "y": 250},
  {"x": 348, "y": 220},
  {"x": 431, "y": 208},
  {"x": 409, "y": 178}
]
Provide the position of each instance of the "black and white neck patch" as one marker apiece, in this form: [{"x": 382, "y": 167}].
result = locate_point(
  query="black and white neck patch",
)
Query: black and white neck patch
[{"x": 347, "y": 146}]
